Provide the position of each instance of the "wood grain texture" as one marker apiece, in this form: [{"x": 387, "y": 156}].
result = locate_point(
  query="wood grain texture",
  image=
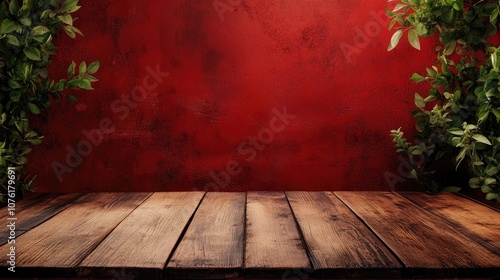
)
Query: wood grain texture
[
  {"x": 424, "y": 242},
  {"x": 142, "y": 243},
  {"x": 478, "y": 222},
  {"x": 337, "y": 240},
  {"x": 214, "y": 239},
  {"x": 34, "y": 210},
  {"x": 272, "y": 240},
  {"x": 60, "y": 243}
]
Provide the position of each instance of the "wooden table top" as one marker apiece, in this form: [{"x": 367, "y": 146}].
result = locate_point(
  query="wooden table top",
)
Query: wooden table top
[{"x": 254, "y": 235}]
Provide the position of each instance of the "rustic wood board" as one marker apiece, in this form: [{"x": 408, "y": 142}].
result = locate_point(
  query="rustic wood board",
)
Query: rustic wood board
[
  {"x": 213, "y": 241},
  {"x": 273, "y": 242},
  {"x": 338, "y": 242},
  {"x": 34, "y": 210},
  {"x": 426, "y": 244},
  {"x": 479, "y": 222},
  {"x": 59, "y": 244},
  {"x": 142, "y": 243}
]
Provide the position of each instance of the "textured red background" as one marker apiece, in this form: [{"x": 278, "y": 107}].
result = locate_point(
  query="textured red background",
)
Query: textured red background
[{"x": 228, "y": 70}]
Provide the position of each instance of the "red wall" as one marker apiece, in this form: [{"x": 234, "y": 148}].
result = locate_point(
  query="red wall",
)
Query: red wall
[{"x": 230, "y": 70}]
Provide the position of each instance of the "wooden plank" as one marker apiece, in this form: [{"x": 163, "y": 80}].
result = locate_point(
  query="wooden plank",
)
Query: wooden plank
[
  {"x": 55, "y": 247},
  {"x": 33, "y": 211},
  {"x": 427, "y": 246},
  {"x": 338, "y": 242},
  {"x": 213, "y": 243},
  {"x": 478, "y": 222},
  {"x": 154, "y": 227},
  {"x": 273, "y": 242}
]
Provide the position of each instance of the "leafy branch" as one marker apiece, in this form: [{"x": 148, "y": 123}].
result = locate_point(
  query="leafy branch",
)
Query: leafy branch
[
  {"x": 27, "y": 31},
  {"x": 458, "y": 121}
]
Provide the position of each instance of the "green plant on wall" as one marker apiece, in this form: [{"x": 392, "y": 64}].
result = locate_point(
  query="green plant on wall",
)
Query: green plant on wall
[
  {"x": 27, "y": 32},
  {"x": 458, "y": 120}
]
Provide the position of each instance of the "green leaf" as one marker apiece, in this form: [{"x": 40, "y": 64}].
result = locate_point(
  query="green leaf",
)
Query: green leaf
[
  {"x": 481, "y": 139},
  {"x": 11, "y": 39},
  {"x": 450, "y": 47},
  {"x": 475, "y": 183},
  {"x": 66, "y": 18},
  {"x": 25, "y": 21},
  {"x": 33, "y": 108},
  {"x": 76, "y": 30},
  {"x": 15, "y": 96},
  {"x": 417, "y": 78},
  {"x": 491, "y": 170},
  {"x": 71, "y": 69},
  {"x": 74, "y": 9},
  {"x": 14, "y": 7},
  {"x": 419, "y": 101},
  {"x": 93, "y": 67},
  {"x": 39, "y": 30},
  {"x": 71, "y": 98},
  {"x": 399, "y": 7},
  {"x": 7, "y": 26},
  {"x": 490, "y": 181},
  {"x": 92, "y": 79},
  {"x": 491, "y": 196},
  {"x": 27, "y": 5},
  {"x": 70, "y": 32},
  {"x": 496, "y": 112},
  {"x": 486, "y": 189},
  {"x": 85, "y": 84},
  {"x": 35, "y": 141},
  {"x": 83, "y": 68},
  {"x": 413, "y": 39},
  {"x": 69, "y": 4},
  {"x": 32, "y": 53},
  {"x": 395, "y": 39}
]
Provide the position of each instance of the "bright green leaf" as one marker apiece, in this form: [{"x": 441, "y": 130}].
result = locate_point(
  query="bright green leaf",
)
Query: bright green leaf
[
  {"x": 83, "y": 68},
  {"x": 491, "y": 196},
  {"x": 419, "y": 101},
  {"x": 481, "y": 139},
  {"x": 71, "y": 69},
  {"x": 69, "y": 4},
  {"x": 66, "y": 18},
  {"x": 417, "y": 78},
  {"x": 413, "y": 39},
  {"x": 93, "y": 67},
  {"x": 475, "y": 183},
  {"x": 39, "y": 30},
  {"x": 395, "y": 39},
  {"x": 490, "y": 181}
]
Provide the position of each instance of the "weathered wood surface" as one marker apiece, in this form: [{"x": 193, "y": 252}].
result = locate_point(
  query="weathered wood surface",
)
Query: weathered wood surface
[
  {"x": 337, "y": 240},
  {"x": 297, "y": 235},
  {"x": 33, "y": 211},
  {"x": 213, "y": 242},
  {"x": 141, "y": 244},
  {"x": 60, "y": 243},
  {"x": 273, "y": 241},
  {"x": 427, "y": 245},
  {"x": 478, "y": 222}
]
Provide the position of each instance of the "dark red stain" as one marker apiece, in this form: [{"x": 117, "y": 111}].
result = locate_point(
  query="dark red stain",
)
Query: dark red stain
[{"x": 225, "y": 79}]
